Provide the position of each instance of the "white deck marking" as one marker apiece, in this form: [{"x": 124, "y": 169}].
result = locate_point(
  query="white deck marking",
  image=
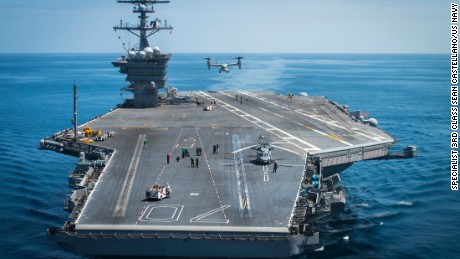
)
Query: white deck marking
[
  {"x": 200, "y": 219},
  {"x": 334, "y": 138},
  {"x": 212, "y": 175},
  {"x": 369, "y": 135},
  {"x": 105, "y": 171},
  {"x": 321, "y": 119},
  {"x": 265, "y": 170},
  {"x": 287, "y": 108},
  {"x": 244, "y": 198},
  {"x": 89, "y": 122},
  {"x": 176, "y": 145},
  {"x": 256, "y": 120},
  {"x": 316, "y": 117},
  {"x": 120, "y": 209},
  {"x": 149, "y": 213}
]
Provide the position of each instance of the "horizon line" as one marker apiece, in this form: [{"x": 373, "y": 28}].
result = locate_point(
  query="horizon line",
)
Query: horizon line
[{"x": 274, "y": 53}]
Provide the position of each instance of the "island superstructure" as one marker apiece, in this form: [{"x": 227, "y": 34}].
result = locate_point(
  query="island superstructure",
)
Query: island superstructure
[
  {"x": 231, "y": 202},
  {"x": 146, "y": 66}
]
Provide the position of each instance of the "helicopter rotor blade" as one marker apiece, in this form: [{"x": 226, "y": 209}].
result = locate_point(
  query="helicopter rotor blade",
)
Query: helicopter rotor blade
[{"x": 241, "y": 149}]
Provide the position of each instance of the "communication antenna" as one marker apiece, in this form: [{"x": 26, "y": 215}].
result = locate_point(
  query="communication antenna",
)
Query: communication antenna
[
  {"x": 75, "y": 117},
  {"x": 143, "y": 30},
  {"x": 123, "y": 44}
]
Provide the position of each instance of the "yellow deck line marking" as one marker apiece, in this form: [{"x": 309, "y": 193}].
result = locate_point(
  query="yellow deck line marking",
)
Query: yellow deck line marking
[{"x": 310, "y": 128}]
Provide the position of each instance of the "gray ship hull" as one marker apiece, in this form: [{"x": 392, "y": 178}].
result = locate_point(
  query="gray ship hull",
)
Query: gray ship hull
[{"x": 174, "y": 244}]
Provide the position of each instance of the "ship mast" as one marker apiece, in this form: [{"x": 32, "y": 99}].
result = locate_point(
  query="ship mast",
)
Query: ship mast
[
  {"x": 75, "y": 114},
  {"x": 145, "y": 67},
  {"x": 144, "y": 29}
]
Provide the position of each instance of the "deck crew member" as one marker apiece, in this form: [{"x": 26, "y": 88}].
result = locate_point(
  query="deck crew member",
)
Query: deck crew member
[
  {"x": 167, "y": 158},
  {"x": 168, "y": 190},
  {"x": 275, "y": 167}
]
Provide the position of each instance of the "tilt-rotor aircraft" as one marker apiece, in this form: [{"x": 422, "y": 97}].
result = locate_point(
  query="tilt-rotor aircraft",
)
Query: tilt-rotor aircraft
[{"x": 224, "y": 67}]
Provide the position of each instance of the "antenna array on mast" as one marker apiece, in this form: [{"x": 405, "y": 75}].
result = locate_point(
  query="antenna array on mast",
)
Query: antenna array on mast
[{"x": 143, "y": 30}]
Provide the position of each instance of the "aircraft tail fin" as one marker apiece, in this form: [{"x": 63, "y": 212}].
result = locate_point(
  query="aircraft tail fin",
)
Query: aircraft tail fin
[
  {"x": 239, "y": 61},
  {"x": 209, "y": 62}
]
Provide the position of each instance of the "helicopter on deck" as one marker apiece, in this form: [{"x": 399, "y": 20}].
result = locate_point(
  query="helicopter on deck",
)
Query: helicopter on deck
[{"x": 264, "y": 151}]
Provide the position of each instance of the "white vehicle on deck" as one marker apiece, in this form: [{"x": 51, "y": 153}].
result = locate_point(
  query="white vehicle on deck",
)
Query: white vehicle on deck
[
  {"x": 158, "y": 192},
  {"x": 101, "y": 137}
]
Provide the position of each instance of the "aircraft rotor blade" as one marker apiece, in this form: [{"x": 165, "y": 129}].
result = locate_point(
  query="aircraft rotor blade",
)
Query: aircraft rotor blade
[{"x": 241, "y": 149}]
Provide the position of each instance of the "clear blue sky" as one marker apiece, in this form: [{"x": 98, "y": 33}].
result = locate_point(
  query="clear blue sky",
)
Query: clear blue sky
[{"x": 237, "y": 26}]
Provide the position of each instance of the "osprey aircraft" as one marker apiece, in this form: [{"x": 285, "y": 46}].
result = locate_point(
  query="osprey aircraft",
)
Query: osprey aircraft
[{"x": 224, "y": 67}]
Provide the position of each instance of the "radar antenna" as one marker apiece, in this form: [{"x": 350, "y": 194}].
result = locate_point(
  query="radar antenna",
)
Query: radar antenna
[{"x": 143, "y": 30}]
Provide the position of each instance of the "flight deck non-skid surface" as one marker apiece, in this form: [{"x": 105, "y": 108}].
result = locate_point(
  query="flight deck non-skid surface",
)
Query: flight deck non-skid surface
[{"x": 222, "y": 190}]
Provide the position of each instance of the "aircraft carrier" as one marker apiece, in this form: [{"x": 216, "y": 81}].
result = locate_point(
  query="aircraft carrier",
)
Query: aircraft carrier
[{"x": 265, "y": 166}]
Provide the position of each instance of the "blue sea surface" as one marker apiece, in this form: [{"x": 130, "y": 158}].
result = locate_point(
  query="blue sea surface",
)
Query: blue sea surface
[{"x": 397, "y": 208}]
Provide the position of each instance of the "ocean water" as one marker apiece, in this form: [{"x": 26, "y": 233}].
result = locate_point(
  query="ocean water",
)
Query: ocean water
[{"x": 397, "y": 208}]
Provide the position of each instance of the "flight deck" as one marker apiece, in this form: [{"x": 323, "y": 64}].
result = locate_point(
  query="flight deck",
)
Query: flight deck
[
  {"x": 222, "y": 190},
  {"x": 232, "y": 196}
]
